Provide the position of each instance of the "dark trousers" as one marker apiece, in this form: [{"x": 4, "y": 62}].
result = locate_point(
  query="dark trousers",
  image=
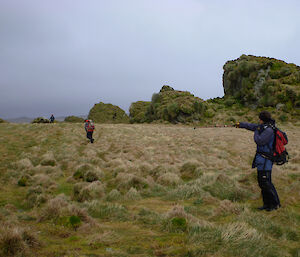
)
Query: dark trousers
[
  {"x": 268, "y": 191},
  {"x": 89, "y": 135}
]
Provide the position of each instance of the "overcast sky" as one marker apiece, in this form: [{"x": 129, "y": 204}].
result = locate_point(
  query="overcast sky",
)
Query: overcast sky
[{"x": 63, "y": 56}]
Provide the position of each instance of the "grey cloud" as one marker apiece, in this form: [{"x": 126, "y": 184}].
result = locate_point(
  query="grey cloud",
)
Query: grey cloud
[{"x": 62, "y": 56}]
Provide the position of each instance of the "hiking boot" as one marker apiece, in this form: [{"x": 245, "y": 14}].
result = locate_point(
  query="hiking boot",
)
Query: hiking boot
[
  {"x": 264, "y": 207},
  {"x": 272, "y": 208}
]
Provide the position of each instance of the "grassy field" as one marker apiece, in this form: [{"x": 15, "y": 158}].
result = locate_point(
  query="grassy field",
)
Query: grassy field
[{"x": 142, "y": 190}]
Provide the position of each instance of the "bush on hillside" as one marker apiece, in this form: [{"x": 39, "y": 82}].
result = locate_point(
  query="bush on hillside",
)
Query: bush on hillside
[
  {"x": 137, "y": 112},
  {"x": 169, "y": 105},
  {"x": 40, "y": 120},
  {"x": 108, "y": 113},
  {"x": 74, "y": 119}
]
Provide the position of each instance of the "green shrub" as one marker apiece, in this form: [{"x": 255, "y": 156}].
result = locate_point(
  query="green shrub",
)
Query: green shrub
[
  {"x": 23, "y": 181},
  {"x": 74, "y": 119},
  {"x": 40, "y": 120},
  {"x": 283, "y": 117},
  {"x": 179, "y": 224},
  {"x": 75, "y": 222},
  {"x": 108, "y": 113}
]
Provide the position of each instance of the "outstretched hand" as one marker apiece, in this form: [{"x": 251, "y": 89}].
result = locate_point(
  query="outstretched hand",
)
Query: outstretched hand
[{"x": 237, "y": 125}]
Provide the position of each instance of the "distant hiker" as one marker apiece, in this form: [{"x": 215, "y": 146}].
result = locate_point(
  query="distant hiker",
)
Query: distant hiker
[
  {"x": 264, "y": 138},
  {"x": 52, "y": 118},
  {"x": 89, "y": 128}
]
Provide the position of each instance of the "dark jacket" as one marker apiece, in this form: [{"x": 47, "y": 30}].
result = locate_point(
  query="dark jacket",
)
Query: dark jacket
[{"x": 264, "y": 138}]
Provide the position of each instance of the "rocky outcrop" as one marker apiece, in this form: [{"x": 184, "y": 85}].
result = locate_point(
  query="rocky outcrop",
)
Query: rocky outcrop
[
  {"x": 260, "y": 82},
  {"x": 108, "y": 113}
]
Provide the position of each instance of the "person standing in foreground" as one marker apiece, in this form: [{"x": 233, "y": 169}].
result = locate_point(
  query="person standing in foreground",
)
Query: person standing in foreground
[
  {"x": 89, "y": 128},
  {"x": 264, "y": 138}
]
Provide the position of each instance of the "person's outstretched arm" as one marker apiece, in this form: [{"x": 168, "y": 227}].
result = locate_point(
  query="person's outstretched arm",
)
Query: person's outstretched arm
[{"x": 245, "y": 125}]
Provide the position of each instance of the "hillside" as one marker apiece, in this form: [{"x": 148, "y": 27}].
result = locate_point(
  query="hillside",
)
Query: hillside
[{"x": 141, "y": 190}]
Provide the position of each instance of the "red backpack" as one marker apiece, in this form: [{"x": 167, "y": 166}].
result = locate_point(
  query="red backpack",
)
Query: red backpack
[
  {"x": 90, "y": 126},
  {"x": 280, "y": 154}
]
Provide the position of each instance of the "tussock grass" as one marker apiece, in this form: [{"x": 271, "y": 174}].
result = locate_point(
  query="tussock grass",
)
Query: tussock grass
[
  {"x": 169, "y": 179},
  {"x": 88, "y": 191},
  {"x": 143, "y": 190},
  {"x": 16, "y": 241}
]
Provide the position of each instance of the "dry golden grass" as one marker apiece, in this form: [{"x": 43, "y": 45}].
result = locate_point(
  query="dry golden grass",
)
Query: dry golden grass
[{"x": 143, "y": 190}]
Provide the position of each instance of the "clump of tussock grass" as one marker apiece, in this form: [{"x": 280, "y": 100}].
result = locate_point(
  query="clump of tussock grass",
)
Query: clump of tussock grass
[
  {"x": 59, "y": 211},
  {"x": 227, "y": 207},
  {"x": 48, "y": 159},
  {"x": 132, "y": 194},
  {"x": 226, "y": 188},
  {"x": 145, "y": 168},
  {"x": 127, "y": 180},
  {"x": 234, "y": 239},
  {"x": 105, "y": 238},
  {"x": 158, "y": 171},
  {"x": 114, "y": 195},
  {"x": 187, "y": 191},
  {"x": 178, "y": 220},
  {"x": 16, "y": 241},
  {"x": 35, "y": 196},
  {"x": 270, "y": 227},
  {"x": 43, "y": 180},
  {"x": 88, "y": 191},
  {"x": 24, "y": 164},
  {"x": 149, "y": 217},
  {"x": 24, "y": 180},
  {"x": 241, "y": 239},
  {"x": 107, "y": 211},
  {"x": 53, "y": 208},
  {"x": 169, "y": 179},
  {"x": 88, "y": 173},
  {"x": 155, "y": 190},
  {"x": 190, "y": 170}
]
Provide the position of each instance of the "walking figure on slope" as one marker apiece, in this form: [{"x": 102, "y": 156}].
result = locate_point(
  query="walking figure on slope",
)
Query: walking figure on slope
[
  {"x": 89, "y": 128},
  {"x": 265, "y": 136}
]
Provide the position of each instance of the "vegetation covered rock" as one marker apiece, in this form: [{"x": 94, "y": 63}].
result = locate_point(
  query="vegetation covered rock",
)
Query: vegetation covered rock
[
  {"x": 262, "y": 82},
  {"x": 2, "y": 121},
  {"x": 74, "y": 119},
  {"x": 108, "y": 113},
  {"x": 169, "y": 105},
  {"x": 138, "y": 110}
]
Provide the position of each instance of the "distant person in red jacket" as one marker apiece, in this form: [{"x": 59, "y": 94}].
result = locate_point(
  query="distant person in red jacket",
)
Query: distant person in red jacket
[{"x": 89, "y": 128}]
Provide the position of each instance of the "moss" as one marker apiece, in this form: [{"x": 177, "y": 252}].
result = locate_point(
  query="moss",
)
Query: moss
[
  {"x": 261, "y": 81},
  {"x": 137, "y": 112},
  {"x": 108, "y": 113},
  {"x": 169, "y": 105}
]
